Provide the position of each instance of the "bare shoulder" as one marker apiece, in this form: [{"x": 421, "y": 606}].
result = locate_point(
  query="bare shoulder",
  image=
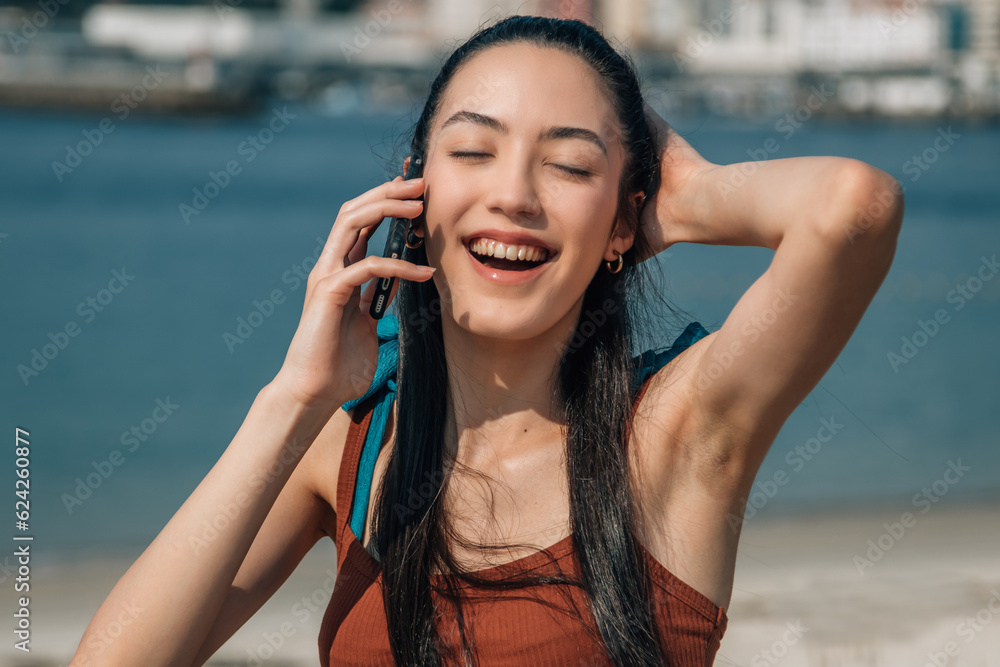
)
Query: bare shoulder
[
  {"x": 689, "y": 497},
  {"x": 321, "y": 464}
]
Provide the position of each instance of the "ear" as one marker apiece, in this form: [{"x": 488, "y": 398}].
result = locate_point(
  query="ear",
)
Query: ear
[
  {"x": 406, "y": 164},
  {"x": 621, "y": 238}
]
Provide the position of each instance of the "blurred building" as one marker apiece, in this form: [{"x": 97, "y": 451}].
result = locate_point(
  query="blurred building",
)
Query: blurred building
[
  {"x": 897, "y": 57},
  {"x": 887, "y": 56}
]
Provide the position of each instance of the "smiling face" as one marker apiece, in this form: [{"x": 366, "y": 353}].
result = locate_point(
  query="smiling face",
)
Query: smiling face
[{"x": 523, "y": 161}]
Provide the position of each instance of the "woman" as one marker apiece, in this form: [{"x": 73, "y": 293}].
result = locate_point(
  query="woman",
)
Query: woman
[{"x": 521, "y": 418}]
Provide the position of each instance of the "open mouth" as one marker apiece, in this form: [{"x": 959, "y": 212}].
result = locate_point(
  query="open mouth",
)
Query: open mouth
[{"x": 507, "y": 257}]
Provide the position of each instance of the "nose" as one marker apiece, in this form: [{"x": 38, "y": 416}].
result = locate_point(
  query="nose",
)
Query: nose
[{"x": 512, "y": 189}]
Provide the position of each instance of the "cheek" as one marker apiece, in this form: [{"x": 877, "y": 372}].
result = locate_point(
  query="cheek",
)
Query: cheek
[
  {"x": 446, "y": 199},
  {"x": 588, "y": 223},
  {"x": 446, "y": 204}
]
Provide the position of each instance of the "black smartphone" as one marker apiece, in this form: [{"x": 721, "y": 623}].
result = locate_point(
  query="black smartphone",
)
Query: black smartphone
[{"x": 395, "y": 244}]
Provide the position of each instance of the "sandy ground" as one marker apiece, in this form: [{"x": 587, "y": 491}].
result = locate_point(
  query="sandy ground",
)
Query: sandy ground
[{"x": 927, "y": 593}]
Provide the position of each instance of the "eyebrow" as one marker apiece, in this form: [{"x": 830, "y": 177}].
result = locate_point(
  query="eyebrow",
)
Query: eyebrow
[{"x": 550, "y": 133}]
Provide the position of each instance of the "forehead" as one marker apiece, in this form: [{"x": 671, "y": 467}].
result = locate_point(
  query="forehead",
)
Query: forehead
[{"x": 530, "y": 86}]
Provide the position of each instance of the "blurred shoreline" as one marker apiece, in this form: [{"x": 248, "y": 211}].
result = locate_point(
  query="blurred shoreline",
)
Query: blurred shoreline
[
  {"x": 800, "y": 591},
  {"x": 58, "y": 555}
]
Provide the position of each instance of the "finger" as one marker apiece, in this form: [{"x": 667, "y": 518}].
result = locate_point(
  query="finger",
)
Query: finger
[
  {"x": 389, "y": 190},
  {"x": 346, "y": 234},
  {"x": 348, "y": 222},
  {"x": 397, "y": 188},
  {"x": 369, "y": 294},
  {"x": 343, "y": 284},
  {"x": 360, "y": 249},
  {"x": 331, "y": 259}
]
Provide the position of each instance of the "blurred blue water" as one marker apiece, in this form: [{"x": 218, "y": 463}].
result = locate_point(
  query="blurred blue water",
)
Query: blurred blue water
[{"x": 161, "y": 337}]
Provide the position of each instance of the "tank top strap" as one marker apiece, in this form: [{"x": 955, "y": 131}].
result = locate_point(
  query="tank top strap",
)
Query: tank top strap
[
  {"x": 651, "y": 361},
  {"x": 360, "y": 421}
]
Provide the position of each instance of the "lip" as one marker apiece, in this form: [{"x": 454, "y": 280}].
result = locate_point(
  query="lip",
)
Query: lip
[{"x": 500, "y": 277}]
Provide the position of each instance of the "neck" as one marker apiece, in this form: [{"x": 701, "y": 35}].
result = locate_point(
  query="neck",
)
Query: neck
[{"x": 503, "y": 394}]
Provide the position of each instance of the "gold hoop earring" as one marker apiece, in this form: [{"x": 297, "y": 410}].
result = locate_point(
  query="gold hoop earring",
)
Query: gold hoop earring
[
  {"x": 412, "y": 240},
  {"x": 621, "y": 263}
]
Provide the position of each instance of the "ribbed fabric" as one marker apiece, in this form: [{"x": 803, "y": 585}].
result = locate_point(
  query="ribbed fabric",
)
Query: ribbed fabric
[{"x": 508, "y": 628}]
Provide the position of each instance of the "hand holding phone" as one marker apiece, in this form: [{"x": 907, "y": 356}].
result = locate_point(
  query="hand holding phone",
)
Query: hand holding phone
[
  {"x": 395, "y": 243},
  {"x": 335, "y": 346}
]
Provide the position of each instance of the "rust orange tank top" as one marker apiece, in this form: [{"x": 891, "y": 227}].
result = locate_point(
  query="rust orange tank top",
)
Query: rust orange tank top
[{"x": 514, "y": 631}]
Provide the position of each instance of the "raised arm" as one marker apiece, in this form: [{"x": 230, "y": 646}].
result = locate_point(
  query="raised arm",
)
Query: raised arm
[
  {"x": 832, "y": 223},
  {"x": 166, "y": 608}
]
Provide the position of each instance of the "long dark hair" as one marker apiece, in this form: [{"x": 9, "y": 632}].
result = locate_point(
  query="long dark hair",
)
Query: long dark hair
[{"x": 595, "y": 384}]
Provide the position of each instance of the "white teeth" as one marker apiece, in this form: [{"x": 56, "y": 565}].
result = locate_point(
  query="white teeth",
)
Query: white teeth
[{"x": 494, "y": 248}]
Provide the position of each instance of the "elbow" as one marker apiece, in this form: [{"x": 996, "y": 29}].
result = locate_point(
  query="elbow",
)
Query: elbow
[
  {"x": 91, "y": 652},
  {"x": 108, "y": 643},
  {"x": 872, "y": 205}
]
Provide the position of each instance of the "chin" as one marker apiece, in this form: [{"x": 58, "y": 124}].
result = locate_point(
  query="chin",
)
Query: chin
[{"x": 502, "y": 319}]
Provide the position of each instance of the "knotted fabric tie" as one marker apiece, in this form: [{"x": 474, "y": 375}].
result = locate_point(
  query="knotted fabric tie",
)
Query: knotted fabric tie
[{"x": 383, "y": 385}]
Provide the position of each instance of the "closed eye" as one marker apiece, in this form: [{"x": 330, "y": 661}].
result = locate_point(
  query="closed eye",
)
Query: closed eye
[{"x": 466, "y": 155}]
